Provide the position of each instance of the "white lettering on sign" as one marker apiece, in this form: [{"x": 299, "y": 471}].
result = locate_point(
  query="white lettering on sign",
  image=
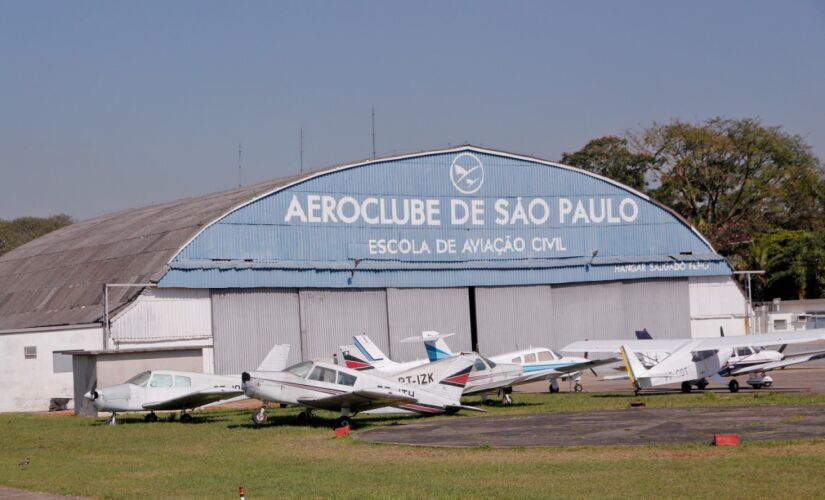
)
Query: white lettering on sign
[{"x": 373, "y": 210}]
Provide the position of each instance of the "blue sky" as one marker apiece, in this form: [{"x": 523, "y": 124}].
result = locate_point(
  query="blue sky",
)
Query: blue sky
[{"x": 111, "y": 105}]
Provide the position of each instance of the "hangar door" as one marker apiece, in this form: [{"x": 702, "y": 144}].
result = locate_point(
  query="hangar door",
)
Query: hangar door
[
  {"x": 246, "y": 323},
  {"x": 513, "y": 318},
  {"x": 329, "y": 318},
  {"x": 413, "y": 310},
  {"x": 616, "y": 310}
]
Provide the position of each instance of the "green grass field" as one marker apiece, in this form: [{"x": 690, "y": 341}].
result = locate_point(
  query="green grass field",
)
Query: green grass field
[{"x": 222, "y": 450}]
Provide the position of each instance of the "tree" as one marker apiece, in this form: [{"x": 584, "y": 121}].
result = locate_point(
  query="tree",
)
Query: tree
[
  {"x": 14, "y": 233},
  {"x": 734, "y": 179},
  {"x": 611, "y": 157},
  {"x": 794, "y": 262}
]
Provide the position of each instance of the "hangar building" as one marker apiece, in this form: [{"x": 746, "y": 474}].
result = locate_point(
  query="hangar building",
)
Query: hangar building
[{"x": 505, "y": 250}]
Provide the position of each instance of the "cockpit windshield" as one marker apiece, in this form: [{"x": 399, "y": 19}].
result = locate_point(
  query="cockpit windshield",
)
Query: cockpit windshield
[
  {"x": 301, "y": 369},
  {"x": 140, "y": 379}
]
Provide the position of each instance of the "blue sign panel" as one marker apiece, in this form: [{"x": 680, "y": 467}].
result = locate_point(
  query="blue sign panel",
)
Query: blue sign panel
[{"x": 451, "y": 218}]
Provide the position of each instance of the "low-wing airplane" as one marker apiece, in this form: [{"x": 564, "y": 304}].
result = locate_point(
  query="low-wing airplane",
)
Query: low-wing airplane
[
  {"x": 751, "y": 360},
  {"x": 495, "y": 374},
  {"x": 158, "y": 390},
  {"x": 428, "y": 389},
  {"x": 691, "y": 361}
]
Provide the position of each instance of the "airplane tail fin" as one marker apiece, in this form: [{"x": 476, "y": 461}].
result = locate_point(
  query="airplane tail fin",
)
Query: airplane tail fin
[
  {"x": 643, "y": 334},
  {"x": 276, "y": 360},
  {"x": 635, "y": 369},
  {"x": 366, "y": 351},
  {"x": 435, "y": 345},
  {"x": 446, "y": 377},
  {"x": 353, "y": 358}
]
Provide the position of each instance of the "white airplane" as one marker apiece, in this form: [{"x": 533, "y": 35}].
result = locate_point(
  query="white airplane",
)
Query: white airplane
[
  {"x": 428, "y": 390},
  {"x": 690, "y": 360},
  {"x": 159, "y": 390},
  {"x": 751, "y": 360},
  {"x": 495, "y": 374}
]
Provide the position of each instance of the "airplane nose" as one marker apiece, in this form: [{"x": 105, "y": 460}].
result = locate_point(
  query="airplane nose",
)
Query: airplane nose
[{"x": 245, "y": 377}]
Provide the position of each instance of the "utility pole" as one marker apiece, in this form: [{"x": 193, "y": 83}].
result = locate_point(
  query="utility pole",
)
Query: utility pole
[
  {"x": 239, "y": 164},
  {"x": 373, "y": 132}
]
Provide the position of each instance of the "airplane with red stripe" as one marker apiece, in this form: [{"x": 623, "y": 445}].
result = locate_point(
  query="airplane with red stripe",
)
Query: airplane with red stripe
[{"x": 429, "y": 389}]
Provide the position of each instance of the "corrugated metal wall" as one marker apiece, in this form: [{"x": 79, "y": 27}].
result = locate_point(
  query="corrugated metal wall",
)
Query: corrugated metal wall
[
  {"x": 329, "y": 318},
  {"x": 413, "y": 310},
  {"x": 513, "y": 318},
  {"x": 165, "y": 314},
  {"x": 247, "y": 323}
]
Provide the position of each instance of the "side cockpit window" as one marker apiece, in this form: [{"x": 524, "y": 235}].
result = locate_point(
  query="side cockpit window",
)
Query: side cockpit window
[
  {"x": 346, "y": 379},
  {"x": 181, "y": 381},
  {"x": 161, "y": 380},
  {"x": 322, "y": 374}
]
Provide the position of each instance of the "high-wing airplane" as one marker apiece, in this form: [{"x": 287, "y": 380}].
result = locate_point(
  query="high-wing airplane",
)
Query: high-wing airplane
[
  {"x": 428, "y": 389},
  {"x": 691, "y": 361},
  {"x": 751, "y": 360},
  {"x": 158, "y": 390},
  {"x": 495, "y": 374}
]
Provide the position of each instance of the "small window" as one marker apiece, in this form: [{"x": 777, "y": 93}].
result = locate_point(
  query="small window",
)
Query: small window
[
  {"x": 161, "y": 380},
  {"x": 530, "y": 358},
  {"x": 545, "y": 356},
  {"x": 61, "y": 363},
  {"x": 346, "y": 378},
  {"x": 780, "y": 324},
  {"x": 30, "y": 352},
  {"x": 322, "y": 374},
  {"x": 517, "y": 359},
  {"x": 182, "y": 381},
  {"x": 702, "y": 355},
  {"x": 479, "y": 366}
]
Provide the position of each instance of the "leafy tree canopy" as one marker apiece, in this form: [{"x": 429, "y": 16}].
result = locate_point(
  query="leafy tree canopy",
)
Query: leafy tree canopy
[{"x": 16, "y": 232}]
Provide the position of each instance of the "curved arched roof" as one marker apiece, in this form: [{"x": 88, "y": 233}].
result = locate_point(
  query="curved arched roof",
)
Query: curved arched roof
[{"x": 58, "y": 278}]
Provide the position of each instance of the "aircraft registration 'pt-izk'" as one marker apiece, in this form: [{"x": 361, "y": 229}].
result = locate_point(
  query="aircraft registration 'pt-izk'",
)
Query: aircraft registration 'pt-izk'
[
  {"x": 159, "y": 390},
  {"x": 690, "y": 361},
  {"x": 498, "y": 373},
  {"x": 428, "y": 390}
]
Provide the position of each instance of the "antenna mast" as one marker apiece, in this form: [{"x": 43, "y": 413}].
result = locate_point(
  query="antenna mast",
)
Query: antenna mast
[
  {"x": 239, "y": 164},
  {"x": 373, "y": 132}
]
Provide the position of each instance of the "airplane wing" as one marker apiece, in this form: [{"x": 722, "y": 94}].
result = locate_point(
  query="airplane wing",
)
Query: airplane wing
[
  {"x": 775, "y": 365},
  {"x": 568, "y": 368},
  {"x": 613, "y": 345},
  {"x": 358, "y": 401},
  {"x": 195, "y": 399},
  {"x": 761, "y": 339}
]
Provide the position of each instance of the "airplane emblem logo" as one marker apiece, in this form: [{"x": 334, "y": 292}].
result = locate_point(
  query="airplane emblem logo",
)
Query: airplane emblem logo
[{"x": 467, "y": 173}]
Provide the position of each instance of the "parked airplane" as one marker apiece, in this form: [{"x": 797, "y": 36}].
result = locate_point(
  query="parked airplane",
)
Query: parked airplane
[
  {"x": 158, "y": 390},
  {"x": 690, "y": 360},
  {"x": 428, "y": 389},
  {"x": 495, "y": 374},
  {"x": 751, "y": 360}
]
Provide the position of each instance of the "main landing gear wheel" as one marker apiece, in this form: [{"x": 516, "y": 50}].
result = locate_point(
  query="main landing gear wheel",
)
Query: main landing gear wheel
[
  {"x": 303, "y": 417},
  {"x": 553, "y": 388},
  {"x": 150, "y": 417},
  {"x": 343, "y": 422},
  {"x": 733, "y": 386},
  {"x": 186, "y": 418},
  {"x": 578, "y": 387},
  {"x": 259, "y": 417},
  {"x": 686, "y": 387},
  {"x": 702, "y": 384}
]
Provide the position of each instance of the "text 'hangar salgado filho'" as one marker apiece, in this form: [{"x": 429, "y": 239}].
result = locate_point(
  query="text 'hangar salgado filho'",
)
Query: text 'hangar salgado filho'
[{"x": 505, "y": 250}]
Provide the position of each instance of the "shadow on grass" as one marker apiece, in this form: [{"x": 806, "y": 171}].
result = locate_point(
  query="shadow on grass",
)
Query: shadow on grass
[{"x": 198, "y": 419}]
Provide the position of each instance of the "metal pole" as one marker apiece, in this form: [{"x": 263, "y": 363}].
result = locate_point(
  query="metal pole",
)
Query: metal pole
[
  {"x": 106, "y": 332},
  {"x": 750, "y": 306}
]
